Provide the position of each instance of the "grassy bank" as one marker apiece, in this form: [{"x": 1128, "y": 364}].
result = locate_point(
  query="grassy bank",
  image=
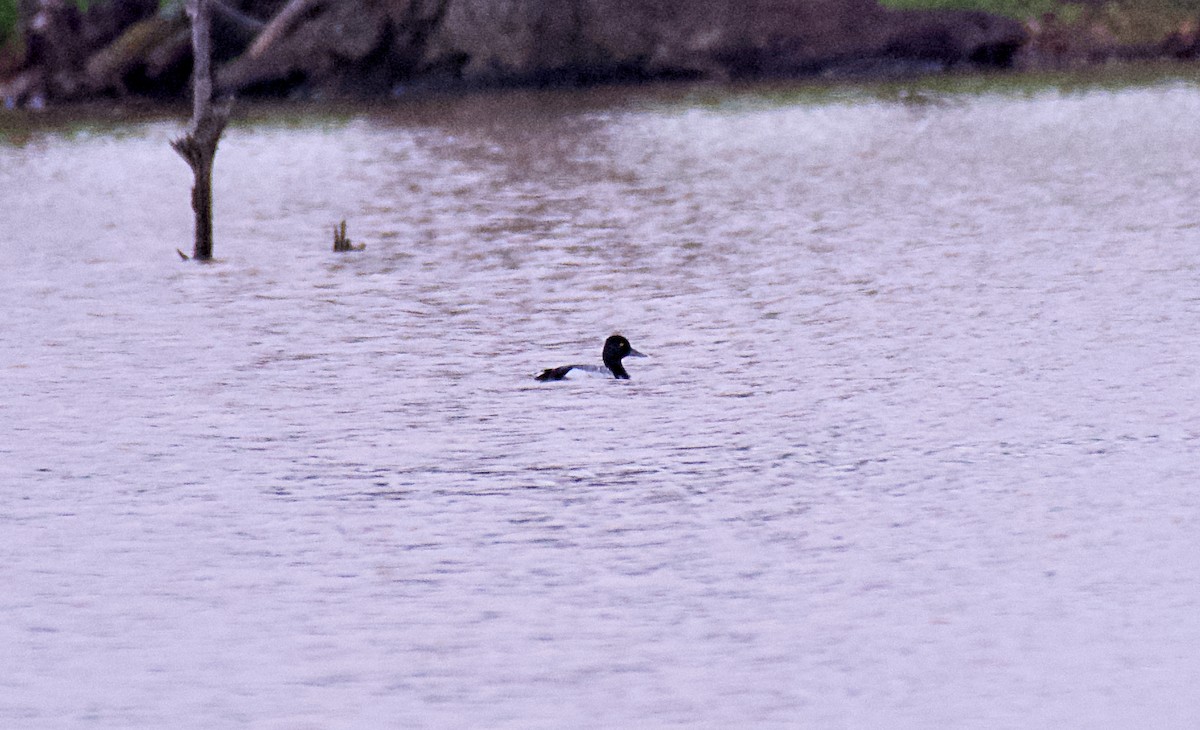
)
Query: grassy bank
[{"x": 1128, "y": 21}]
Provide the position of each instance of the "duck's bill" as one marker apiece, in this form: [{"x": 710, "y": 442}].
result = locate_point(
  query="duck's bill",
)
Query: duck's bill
[{"x": 635, "y": 353}]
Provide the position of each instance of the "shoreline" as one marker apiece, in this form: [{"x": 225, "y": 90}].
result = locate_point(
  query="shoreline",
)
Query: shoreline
[{"x": 913, "y": 89}]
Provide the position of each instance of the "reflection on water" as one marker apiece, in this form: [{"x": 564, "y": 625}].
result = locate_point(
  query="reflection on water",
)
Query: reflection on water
[{"x": 916, "y": 445}]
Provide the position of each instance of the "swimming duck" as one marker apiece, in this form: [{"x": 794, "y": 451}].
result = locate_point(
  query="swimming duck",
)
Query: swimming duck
[{"x": 616, "y": 348}]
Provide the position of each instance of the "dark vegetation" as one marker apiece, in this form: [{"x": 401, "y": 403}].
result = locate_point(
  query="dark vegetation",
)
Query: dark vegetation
[{"x": 57, "y": 51}]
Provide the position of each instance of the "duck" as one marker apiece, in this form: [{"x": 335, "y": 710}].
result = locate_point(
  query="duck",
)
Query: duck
[{"x": 616, "y": 348}]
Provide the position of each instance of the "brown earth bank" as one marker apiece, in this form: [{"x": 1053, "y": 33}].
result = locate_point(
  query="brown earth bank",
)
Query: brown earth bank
[{"x": 373, "y": 48}]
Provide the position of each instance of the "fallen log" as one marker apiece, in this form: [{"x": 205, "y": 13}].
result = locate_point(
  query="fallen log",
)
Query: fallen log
[
  {"x": 281, "y": 24},
  {"x": 107, "y": 68}
]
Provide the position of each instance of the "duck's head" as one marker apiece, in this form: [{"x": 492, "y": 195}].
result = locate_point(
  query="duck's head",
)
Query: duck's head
[{"x": 616, "y": 348}]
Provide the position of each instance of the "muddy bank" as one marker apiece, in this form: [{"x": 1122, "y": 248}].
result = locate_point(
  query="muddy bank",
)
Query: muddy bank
[{"x": 373, "y": 48}]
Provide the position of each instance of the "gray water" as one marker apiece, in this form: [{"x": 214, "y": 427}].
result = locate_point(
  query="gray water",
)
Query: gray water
[{"x": 916, "y": 446}]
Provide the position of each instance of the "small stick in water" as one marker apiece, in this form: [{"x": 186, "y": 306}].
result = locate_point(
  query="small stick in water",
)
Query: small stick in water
[{"x": 342, "y": 242}]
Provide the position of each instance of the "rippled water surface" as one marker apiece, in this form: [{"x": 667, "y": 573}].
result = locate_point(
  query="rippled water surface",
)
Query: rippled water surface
[{"x": 918, "y": 443}]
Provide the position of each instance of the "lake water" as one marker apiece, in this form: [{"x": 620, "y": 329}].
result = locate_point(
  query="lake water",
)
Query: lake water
[{"x": 918, "y": 443}]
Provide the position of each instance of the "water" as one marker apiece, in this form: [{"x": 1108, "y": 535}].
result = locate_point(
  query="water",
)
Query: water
[{"x": 916, "y": 445}]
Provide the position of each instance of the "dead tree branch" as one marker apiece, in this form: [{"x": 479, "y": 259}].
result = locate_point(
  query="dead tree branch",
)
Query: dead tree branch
[{"x": 199, "y": 146}]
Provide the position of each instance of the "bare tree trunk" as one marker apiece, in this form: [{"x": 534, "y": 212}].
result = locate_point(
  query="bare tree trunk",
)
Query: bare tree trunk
[{"x": 199, "y": 146}]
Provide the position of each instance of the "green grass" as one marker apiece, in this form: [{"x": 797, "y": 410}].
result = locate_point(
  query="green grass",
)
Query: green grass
[{"x": 8, "y": 20}]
